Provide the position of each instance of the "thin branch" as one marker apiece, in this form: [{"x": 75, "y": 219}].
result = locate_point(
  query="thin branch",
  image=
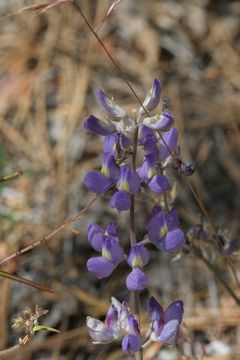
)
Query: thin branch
[
  {"x": 217, "y": 273},
  {"x": 11, "y": 176},
  {"x": 10, "y": 353},
  {"x": 109, "y": 12},
  {"x": 52, "y": 234}
]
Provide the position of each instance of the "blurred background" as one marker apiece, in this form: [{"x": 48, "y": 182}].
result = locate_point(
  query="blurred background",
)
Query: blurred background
[{"x": 50, "y": 69}]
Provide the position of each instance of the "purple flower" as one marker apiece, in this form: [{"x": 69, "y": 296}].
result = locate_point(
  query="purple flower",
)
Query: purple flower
[
  {"x": 131, "y": 344},
  {"x": 173, "y": 240},
  {"x": 159, "y": 184},
  {"x": 112, "y": 254},
  {"x": 163, "y": 230},
  {"x": 138, "y": 256},
  {"x": 112, "y": 229},
  {"x": 165, "y": 324},
  {"x": 120, "y": 201},
  {"x": 115, "y": 143},
  {"x": 108, "y": 244},
  {"x": 162, "y": 122},
  {"x": 110, "y": 105},
  {"x": 152, "y": 99},
  {"x": 124, "y": 142},
  {"x": 144, "y": 132},
  {"x": 96, "y": 126},
  {"x": 119, "y": 323},
  {"x": 128, "y": 183},
  {"x": 170, "y": 138},
  {"x": 150, "y": 146},
  {"x": 166, "y": 121},
  {"x": 110, "y": 168},
  {"x": 111, "y": 318},
  {"x": 100, "y": 266},
  {"x": 112, "y": 250},
  {"x": 148, "y": 168},
  {"x": 136, "y": 280},
  {"x": 110, "y": 144},
  {"x": 155, "y": 310},
  {"x": 95, "y": 236},
  {"x": 97, "y": 182},
  {"x": 99, "y": 332},
  {"x": 133, "y": 325},
  {"x": 128, "y": 180}
]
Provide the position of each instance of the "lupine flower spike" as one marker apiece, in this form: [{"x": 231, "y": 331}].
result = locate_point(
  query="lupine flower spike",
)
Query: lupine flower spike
[{"x": 123, "y": 177}]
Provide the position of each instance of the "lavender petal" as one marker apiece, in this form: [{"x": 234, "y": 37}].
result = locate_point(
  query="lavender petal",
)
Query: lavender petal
[
  {"x": 97, "y": 182},
  {"x": 96, "y": 126},
  {"x": 136, "y": 280},
  {"x": 100, "y": 266}
]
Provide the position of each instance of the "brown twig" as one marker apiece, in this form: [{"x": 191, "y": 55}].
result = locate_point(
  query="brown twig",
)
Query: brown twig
[
  {"x": 53, "y": 233},
  {"x": 11, "y": 176}
]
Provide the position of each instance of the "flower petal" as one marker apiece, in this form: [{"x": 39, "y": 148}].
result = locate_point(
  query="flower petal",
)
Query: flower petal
[
  {"x": 170, "y": 138},
  {"x": 97, "y": 182},
  {"x": 109, "y": 167},
  {"x": 98, "y": 331},
  {"x": 110, "y": 144},
  {"x": 128, "y": 180},
  {"x": 169, "y": 332},
  {"x": 152, "y": 99},
  {"x": 155, "y": 310},
  {"x": 96, "y": 126},
  {"x": 150, "y": 146},
  {"x": 112, "y": 250},
  {"x": 95, "y": 236},
  {"x": 172, "y": 219},
  {"x": 156, "y": 227},
  {"x": 174, "y": 311},
  {"x": 112, "y": 229},
  {"x": 162, "y": 122},
  {"x": 133, "y": 325},
  {"x": 144, "y": 132},
  {"x": 120, "y": 201},
  {"x": 138, "y": 256},
  {"x": 124, "y": 141},
  {"x": 100, "y": 266},
  {"x": 136, "y": 280},
  {"x": 159, "y": 184},
  {"x": 110, "y": 105},
  {"x": 148, "y": 168},
  {"x": 166, "y": 121},
  {"x": 173, "y": 240},
  {"x": 111, "y": 319},
  {"x": 131, "y": 344}
]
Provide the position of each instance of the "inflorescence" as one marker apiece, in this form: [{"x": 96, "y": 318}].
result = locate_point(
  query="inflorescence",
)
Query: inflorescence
[{"x": 122, "y": 178}]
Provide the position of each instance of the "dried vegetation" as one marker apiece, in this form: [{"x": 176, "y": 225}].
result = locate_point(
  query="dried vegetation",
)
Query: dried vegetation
[{"x": 50, "y": 69}]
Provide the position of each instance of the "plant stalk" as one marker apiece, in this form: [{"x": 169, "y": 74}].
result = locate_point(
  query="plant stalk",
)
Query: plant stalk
[{"x": 133, "y": 240}]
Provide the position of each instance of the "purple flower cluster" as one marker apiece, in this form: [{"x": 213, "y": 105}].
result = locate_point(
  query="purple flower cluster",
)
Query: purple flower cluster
[
  {"x": 122, "y": 178},
  {"x": 107, "y": 243},
  {"x": 165, "y": 325},
  {"x": 119, "y": 323},
  {"x": 164, "y": 231}
]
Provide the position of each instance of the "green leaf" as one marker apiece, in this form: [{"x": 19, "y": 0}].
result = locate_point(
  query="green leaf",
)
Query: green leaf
[{"x": 47, "y": 328}]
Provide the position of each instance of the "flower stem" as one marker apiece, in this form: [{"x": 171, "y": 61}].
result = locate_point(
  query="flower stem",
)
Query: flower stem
[{"x": 133, "y": 240}]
